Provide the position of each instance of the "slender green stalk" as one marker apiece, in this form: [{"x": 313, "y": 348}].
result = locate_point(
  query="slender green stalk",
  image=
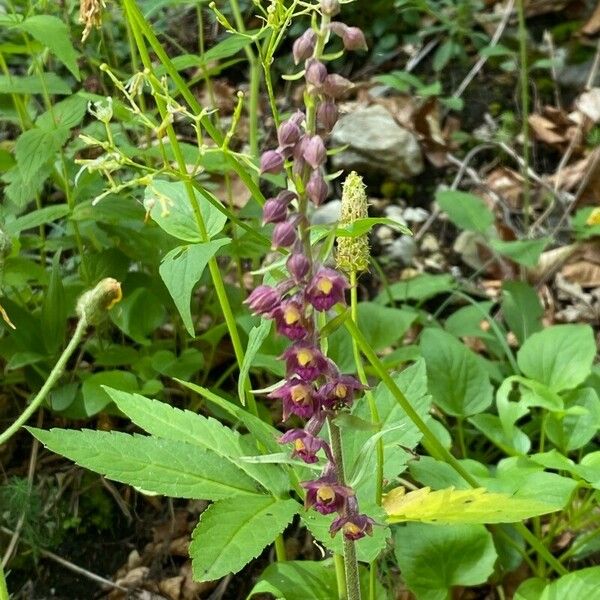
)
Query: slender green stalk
[
  {"x": 213, "y": 266},
  {"x": 3, "y": 587},
  {"x": 136, "y": 16},
  {"x": 350, "y": 561},
  {"x": 435, "y": 448},
  {"x": 49, "y": 383},
  {"x": 280, "y": 552},
  {"x": 340, "y": 575},
  {"x": 524, "y": 80}
]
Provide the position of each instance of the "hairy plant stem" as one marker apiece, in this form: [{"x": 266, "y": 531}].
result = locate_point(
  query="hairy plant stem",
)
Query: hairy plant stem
[
  {"x": 350, "y": 561},
  {"x": 433, "y": 446},
  {"x": 524, "y": 81},
  {"x": 49, "y": 383},
  {"x": 213, "y": 266},
  {"x": 375, "y": 419}
]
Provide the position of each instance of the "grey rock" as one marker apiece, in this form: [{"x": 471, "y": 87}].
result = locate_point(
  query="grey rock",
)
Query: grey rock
[
  {"x": 377, "y": 145},
  {"x": 327, "y": 213},
  {"x": 402, "y": 248}
]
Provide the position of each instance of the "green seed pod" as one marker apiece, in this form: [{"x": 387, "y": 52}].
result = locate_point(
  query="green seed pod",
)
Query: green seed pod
[
  {"x": 353, "y": 252},
  {"x": 93, "y": 304}
]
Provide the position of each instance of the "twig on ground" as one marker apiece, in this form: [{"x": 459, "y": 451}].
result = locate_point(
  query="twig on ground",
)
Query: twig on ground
[{"x": 73, "y": 567}]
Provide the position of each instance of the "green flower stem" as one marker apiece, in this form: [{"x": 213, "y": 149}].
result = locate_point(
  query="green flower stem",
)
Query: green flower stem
[
  {"x": 136, "y": 16},
  {"x": 49, "y": 383},
  {"x": 280, "y": 552},
  {"x": 375, "y": 419},
  {"x": 213, "y": 266},
  {"x": 340, "y": 575},
  {"x": 3, "y": 588},
  {"x": 350, "y": 561},
  {"x": 430, "y": 441}
]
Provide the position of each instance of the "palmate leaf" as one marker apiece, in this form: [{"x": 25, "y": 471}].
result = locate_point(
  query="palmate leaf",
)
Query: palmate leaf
[
  {"x": 460, "y": 506},
  {"x": 160, "y": 466},
  {"x": 233, "y": 531}
]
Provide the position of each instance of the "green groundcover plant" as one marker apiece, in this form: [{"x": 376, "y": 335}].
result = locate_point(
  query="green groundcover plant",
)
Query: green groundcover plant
[{"x": 448, "y": 467}]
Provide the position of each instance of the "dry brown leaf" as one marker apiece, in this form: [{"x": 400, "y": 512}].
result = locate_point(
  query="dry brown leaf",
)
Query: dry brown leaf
[
  {"x": 592, "y": 26},
  {"x": 507, "y": 183},
  {"x": 586, "y": 274},
  {"x": 589, "y": 104},
  {"x": 171, "y": 587}
]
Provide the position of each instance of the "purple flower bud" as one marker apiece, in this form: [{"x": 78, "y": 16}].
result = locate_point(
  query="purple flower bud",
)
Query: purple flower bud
[
  {"x": 338, "y": 28},
  {"x": 271, "y": 161},
  {"x": 298, "y": 398},
  {"x": 288, "y": 133},
  {"x": 304, "y": 46},
  {"x": 297, "y": 118},
  {"x": 305, "y": 361},
  {"x": 327, "y": 114},
  {"x": 316, "y": 188},
  {"x": 354, "y": 39},
  {"x": 284, "y": 234},
  {"x": 263, "y": 300},
  {"x": 274, "y": 211},
  {"x": 326, "y": 289},
  {"x": 330, "y": 7},
  {"x": 314, "y": 151},
  {"x": 290, "y": 320},
  {"x": 316, "y": 73},
  {"x": 354, "y": 526},
  {"x": 339, "y": 391},
  {"x": 326, "y": 495},
  {"x": 298, "y": 266},
  {"x": 286, "y": 196},
  {"x": 336, "y": 86}
]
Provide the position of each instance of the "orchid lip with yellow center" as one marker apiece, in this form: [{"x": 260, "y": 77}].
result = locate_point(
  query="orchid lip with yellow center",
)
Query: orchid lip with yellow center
[
  {"x": 300, "y": 394},
  {"x": 299, "y": 445},
  {"x": 325, "y": 285},
  {"x": 304, "y": 357},
  {"x": 291, "y": 315},
  {"x": 341, "y": 391},
  {"x": 325, "y": 494}
]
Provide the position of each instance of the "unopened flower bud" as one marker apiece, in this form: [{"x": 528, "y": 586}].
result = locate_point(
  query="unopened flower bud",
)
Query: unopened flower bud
[
  {"x": 316, "y": 188},
  {"x": 353, "y": 252},
  {"x": 263, "y": 300},
  {"x": 271, "y": 161},
  {"x": 286, "y": 196},
  {"x": 288, "y": 133},
  {"x": 316, "y": 73},
  {"x": 354, "y": 39},
  {"x": 335, "y": 86},
  {"x": 297, "y": 118},
  {"x": 284, "y": 234},
  {"x": 298, "y": 266},
  {"x": 274, "y": 211},
  {"x": 330, "y": 8},
  {"x": 304, "y": 46},
  {"x": 93, "y": 304},
  {"x": 314, "y": 151},
  {"x": 327, "y": 114}
]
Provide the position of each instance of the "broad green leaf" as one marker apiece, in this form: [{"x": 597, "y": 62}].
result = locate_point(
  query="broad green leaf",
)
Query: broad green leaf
[
  {"x": 54, "y": 309},
  {"x": 139, "y": 314},
  {"x": 304, "y": 580},
  {"x": 256, "y": 337},
  {"x": 513, "y": 440},
  {"x": 233, "y": 531},
  {"x": 560, "y": 356},
  {"x": 164, "y": 421},
  {"x": 181, "y": 270},
  {"x": 95, "y": 397},
  {"x": 521, "y": 308},
  {"x": 36, "y": 147},
  {"x": 435, "y": 558},
  {"x": 524, "y": 252},
  {"x": 35, "y": 218},
  {"x": 155, "y": 465},
  {"x": 583, "y": 584},
  {"x": 573, "y": 431},
  {"x": 232, "y": 44},
  {"x": 458, "y": 381},
  {"x": 470, "y": 321},
  {"x": 68, "y": 113},
  {"x": 422, "y": 287},
  {"x": 32, "y": 84},
  {"x": 466, "y": 211},
  {"x": 169, "y": 205},
  {"x": 460, "y": 506},
  {"x": 54, "y": 34},
  {"x": 530, "y": 589}
]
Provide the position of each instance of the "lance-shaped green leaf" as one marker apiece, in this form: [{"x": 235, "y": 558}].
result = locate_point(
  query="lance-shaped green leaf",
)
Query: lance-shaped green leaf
[
  {"x": 233, "y": 531},
  {"x": 256, "y": 337},
  {"x": 164, "y": 421},
  {"x": 181, "y": 270},
  {"x": 155, "y": 465}
]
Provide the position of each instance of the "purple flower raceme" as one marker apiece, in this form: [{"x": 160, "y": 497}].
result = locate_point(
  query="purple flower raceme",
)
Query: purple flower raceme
[
  {"x": 354, "y": 526},
  {"x": 339, "y": 391},
  {"x": 290, "y": 320},
  {"x": 306, "y": 445},
  {"x": 325, "y": 494},
  {"x": 298, "y": 398},
  {"x": 306, "y": 361}
]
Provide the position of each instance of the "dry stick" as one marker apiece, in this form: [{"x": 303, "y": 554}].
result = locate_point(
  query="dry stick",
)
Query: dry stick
[
  {"x": 483, "y": 59},
  {"x": 73, "y": 567}
]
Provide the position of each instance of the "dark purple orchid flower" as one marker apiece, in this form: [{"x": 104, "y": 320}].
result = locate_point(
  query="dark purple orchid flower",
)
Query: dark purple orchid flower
[
  {"x": 306, "y": 361},
  {"x": 354, "y": 526},
  {"x": 306, "y": 445},
  {"x": 326, "y": 289},
  {"x": 339, "y": 391},
  {"x": 326, "y": 495},
  {"x": 290, "y": 320},
  {"x": 298, "y": 398}
]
